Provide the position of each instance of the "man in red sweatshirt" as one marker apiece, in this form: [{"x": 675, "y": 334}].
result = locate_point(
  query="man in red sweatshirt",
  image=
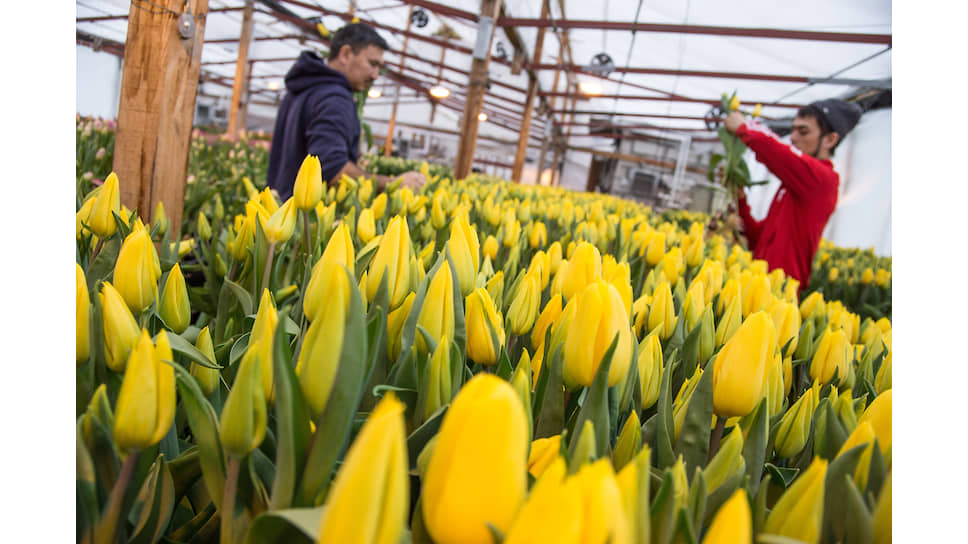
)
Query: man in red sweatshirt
[{"x": 788, "y": 236}]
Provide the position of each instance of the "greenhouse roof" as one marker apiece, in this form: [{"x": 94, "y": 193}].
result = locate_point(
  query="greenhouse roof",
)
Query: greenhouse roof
[{"x": 659, "y": 65}]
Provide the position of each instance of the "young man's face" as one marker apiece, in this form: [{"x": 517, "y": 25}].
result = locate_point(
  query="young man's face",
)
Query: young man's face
[
  {"x": 806, "y": 135},
  {"x": 361, "y": 68}
]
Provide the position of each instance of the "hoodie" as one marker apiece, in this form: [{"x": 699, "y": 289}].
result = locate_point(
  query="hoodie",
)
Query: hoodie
[{"x": 316, "y": 117}]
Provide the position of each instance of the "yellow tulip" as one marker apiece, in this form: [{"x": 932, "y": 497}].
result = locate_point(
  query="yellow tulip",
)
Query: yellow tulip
[
  {"x": 541, "y": 266},
  {"x": 862, "y": 434},
  {"x": 711, "y": 276},
  {"x": 490, "y": 247},
  {"x": 136, "y": 271},
  {"x": 307, "y": 190},
  {"x": 757, "y": 294},
  {"x": 742, "y": 365},
  {"x": 263, "y": 332},
  {"x": 672, "y": 265},
  {"x": 392, "y": 258},
  {"x": 878, "y": 415},
  {"x": 629, "y": 441},
  {"x": 538, "y": 236},
  {"x": 81, "y": 217},
  {"x": 799, "y": 511},
  {"x": 160, "y": 223},
  {"x": 831, "y": 355},
  {"x": 525, "y": 305},
  {"x": 339, "y": 252},
  {"x": 554, "y": 257},
  {"x": 662, "y": 315},
  {"x": 757, "y": 109},
  {"x": 495, "y": 287},
  {"x": 694, "y": 251},
  {"x": 734, "y": 103},
  {"x": 732, "y": 289},
  {"x": 173, "y": 304},
  {"x": 794, "y": 428},
  {"x": 483, "y": 347},
  {"x": 812, "y": 305},
  {"x": 437, "y": 313},
  {"x": 282, "y": 223},
  {"x": 242, "y": 424},
  {"x": 395, "y": 322},
  {"x": 480, "y": 477},
  {"x": 882, "y": 513},
  {"x": 370, "y": 497},
  {"x": 320, "y": 354},
  {"x": 786, "y": 319},
  {"x": 465, "y": 251},
  {"x": 655, "y": 249},
  {"x": 603, "y": 518},
  {"x": 365, "y": 226},
  {"x": 244, "y": 239},
  {"x": 733, "y": 521},
  {"x": 693, "y": 305},
  {"x": 603, "y": 317},
  {"x": 650, "y": 369},
  {"x": 727, "y": 462},
  {"x": 681, "y": 403},
  {"x": 82, "y": 315},
  {"x": 207, "y": 378},
  {"x": 553, "y": 511},
  {"x": 620, "y": 276},
  {"x": 106, "y": 204},
  {"x": 548, "y": 316},
  {"x": 120, "y": 330},
  {"x": 584, "y": 267},
  {"x": 544, "y": 452},
  {"x": 146, "y": 401}
]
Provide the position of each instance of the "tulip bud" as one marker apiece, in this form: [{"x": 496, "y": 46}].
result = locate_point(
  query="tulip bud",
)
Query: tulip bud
[
  {"x": 620, "y": 276},
  {"x": 203, "y": 228},
  {"x": 548, "y": 316},
  {"x": 882, "y": 513},
  {"x": 604, "y": 518},
  {"x": 365, "y": 227},
  {"x": 544, "y": 452},
  {"x": 307, "y": 190},
  {"x": 120, "y": 331},
  {"x": 538, "y": 235},
  {"x": 82, "y": 314},
  {"x": 553, "y": 511},
  {"x": 136, "y": 271},
  {"x": 733, "y": 521},
  {"x": 757, "y": 295},
  {"x": 439, "y": 380},
  {"x": 160, "y": 223},
  {"x": 485, "y": 329},
  {"x": 490, "y": 247},
  {"x": 734, "y": 104},
  {"x": 478, "y": 478},
  {"x": 727, "y": 462},
  {"x": 640, "y": 314},
  {"x": 173, "y": 304},
  {"x": 554, "y": 257},
  {"x": 584, "y": 267},
  {"x": 831, "y": 355},
  {"x": 465, "y": 252},
  {"x": 437, "y": 312},
  {"x": 495, "y": 288},
  {"x": 369, "y": 500},
  {"x": 730, "y": 291},
  {"x": 628, "y": 443},
  {"x": 392, "y": 258},
  {"x": 522, "y": 384},
  {"x": 878, "y": 415},
  {"x": 862, "y": 434},
  {"x": 786, "y": 319},
  {"x": 794, "y": 429},
  {"x": 603, "y": 317},
  {"x": 379, "y": 206},
  {"x": 662, "y": 315},
  {"x": 438, "y": 217},
  {"x": 741, "y": 366},
  {"x": 242, "y": 424},
  {"x": 693, "y": 305},
  {"x": 681, "y": 403},
  {"x": 146, "y": 402},
  {"x": 655, "y": 249},
  {"x": 282, "y": 223},
  {"x": 395, "y": 322},
  {"x": 320, "y": 354},
  {"x": 339, "y": 252},
  {"x": 106, "y": 203},
  {"x": 812, "y": 305},
  {"x": 264, "y": 330},
  {"x": 799, "y": 511},
  {"x": 672, "y": 265},
  {"x": 244, "y": 239},
  {"x": 207, "y": 378},
  {"x": 525, "y": 305},
  {"x": 650, "y": 369},
  {"x": 707, "y": 335}
]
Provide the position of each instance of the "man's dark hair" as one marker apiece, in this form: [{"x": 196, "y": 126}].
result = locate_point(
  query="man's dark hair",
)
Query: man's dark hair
[
  {"x": 833, "y": 115},
  {"x": 813, "y": 112},
  {"x": 358, "y": 36}
]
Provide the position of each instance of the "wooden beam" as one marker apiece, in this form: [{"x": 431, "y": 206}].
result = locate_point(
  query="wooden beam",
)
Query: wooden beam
[
  {"x": 158, "y": 86},
  {"x": 522, "y": 149},
  {"x": 388, "y": 146},
  {"x": 475, "y": 94},
  {"x": 240, "y": 88}
]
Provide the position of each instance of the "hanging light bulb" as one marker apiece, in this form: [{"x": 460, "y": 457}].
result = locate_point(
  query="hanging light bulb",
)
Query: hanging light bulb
[
  {"x": 482, "y": 117},
  {"x": 374, "y": 93},
  {"x": 273, "y": 85},
  {"x": 439, "y": 92},
  {"x": 591, "y": 88}
]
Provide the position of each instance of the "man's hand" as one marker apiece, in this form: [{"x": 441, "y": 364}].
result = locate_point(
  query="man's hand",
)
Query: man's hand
[
  {"x": 733, "y": 121},
  {"x": 413, "y": 179}
]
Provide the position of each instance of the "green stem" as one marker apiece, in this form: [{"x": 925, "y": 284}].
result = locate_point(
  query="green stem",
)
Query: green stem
[
  {"x": 309, "y": 243},
  {"x": 268, "y": 268},
  {"x": 97, "y": 248},
  {"x": 107, "y": 528},
  {"x": 716, "y": 437},
  {"x": 228, "y": 501}
]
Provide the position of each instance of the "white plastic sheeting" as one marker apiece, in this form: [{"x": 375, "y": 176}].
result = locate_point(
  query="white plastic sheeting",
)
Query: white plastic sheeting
[{"x": 863, "y": 214}]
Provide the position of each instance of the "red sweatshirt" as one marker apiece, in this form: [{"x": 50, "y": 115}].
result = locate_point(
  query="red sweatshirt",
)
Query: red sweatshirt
[{"x": 788, "y": 236}]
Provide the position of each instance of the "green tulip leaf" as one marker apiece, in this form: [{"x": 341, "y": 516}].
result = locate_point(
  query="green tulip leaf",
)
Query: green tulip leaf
[
  {"x": 292, "y": 423},
  {"x": 690, "y": 350},
  {"x": 292, "y": 525},
  {"x": 376, "y": 327},
  {"x": 758, "y": 505},
  {"x": 550, "y": 416},
  {"x": 665, "y": 428},
  {"x": 860, "y": 522},
  {"x": 334, "y": 425},
  {"x": 717, "y": 497},
  {"x": 88, "y": 509},
  {"x": 630, "y": 385},
  {"x": 421, "y": 435},
  {"x": 460, "y": 330},
  {"x": 782, "y": 476},
  {"x": 684, "y": 531},
  {"x": 199, "y": 527},
  {"x": 238, "y": 349},
  {"x": 504, "y": 369},
  {"x": 408, "y": 335},
  {"x": 693, "y": 442},
  {"x": 755, "y": 445},
  {"x": 663, "y": 512},
  {"x": 418, "y": 530},
  {"x": 185, "y": 470},
  {"x": 877, "y": 472},
  {"x": 102, "y": 268},
  {"x": 184, "y": 347},
  {"x": 835, "y": 496},
  {"x": 204, "y": 425},
  {"x": 242, "y": 295},
  {"x": 696, "y": 506},
  {"x": 428, "y": 339},
  {"x": 154, "y": 505},
  {"x": 595, "y": 406}
]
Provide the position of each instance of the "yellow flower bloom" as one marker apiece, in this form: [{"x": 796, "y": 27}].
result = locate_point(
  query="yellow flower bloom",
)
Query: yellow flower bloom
[
  {"x": 465, "y": 251},
  {"x": 320, "y": 355},
  {"x": 339, "y": 252},
  {"x": 584, "y": 267},
  {"x": 365, "y": 227},
  {"x": 733, "y": 521},
  {"x": 106, "y": 203},
  {"x": 799, "y": 511},
  {"x": 831, "y": 355},
  {"x": 395, "y": 322},
  {"x": 307, "y": 190},
  {"x": 174, "y": 306},
  {"x": 603, "y": 317},
  {"x": 242, "y": 424},
  {"x": 392, "y": 258},
  {"x": 553, "y": 511},
  {"x": 207, "y": 378},
  {"x": 146, "y": 401},
  {"x": 482, "y": 346},
  {"x": 437, "y": 313},
  {"x": 662, "y": 315},
  {"x": 741, "y": 366},
  {"x": 136, "y": 271},
  {"x": 490, "y": 247},
  {"x": 525, "y": 305},
  {"x": 120, "y": 330},
  {"x": 650, "y": 369},
  {"x": 82, "y": 315}
]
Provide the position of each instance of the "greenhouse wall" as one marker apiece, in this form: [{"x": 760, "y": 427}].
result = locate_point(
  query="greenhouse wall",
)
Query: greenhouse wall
[{"x": 98, "y": 83}]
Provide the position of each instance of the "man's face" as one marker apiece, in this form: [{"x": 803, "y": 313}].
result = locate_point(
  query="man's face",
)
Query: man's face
[
  {"x": 806, "y": 135},
  {"x": 362, "y": 68}
]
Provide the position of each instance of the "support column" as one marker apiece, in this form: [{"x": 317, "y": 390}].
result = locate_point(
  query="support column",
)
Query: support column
[
  {"x": 388, "y": 146},
  {"x": 158, "y": 86},
  {"x": 240, "y": 86},
  {"x": 522, "y": 149},
  {"x": 476, "y": 87}
]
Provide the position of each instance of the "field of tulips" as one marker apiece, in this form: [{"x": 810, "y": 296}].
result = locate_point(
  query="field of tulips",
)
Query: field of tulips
[
  {"x": 475, "y": 362},
  {"x": 857, "y": 277}
]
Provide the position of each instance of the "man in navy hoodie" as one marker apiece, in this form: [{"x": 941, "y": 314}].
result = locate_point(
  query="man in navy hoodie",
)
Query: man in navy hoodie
[{"x": 318, "y": 114}]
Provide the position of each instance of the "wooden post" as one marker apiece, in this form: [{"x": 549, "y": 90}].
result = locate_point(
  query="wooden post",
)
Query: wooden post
[
  {"x": 475, "y": 94},
  {"x": 522, "y": 149},
  {"x": 158, "y": 86},
  {"x": 388, "y": 146},
  {"x": 240, "y": 87}
]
